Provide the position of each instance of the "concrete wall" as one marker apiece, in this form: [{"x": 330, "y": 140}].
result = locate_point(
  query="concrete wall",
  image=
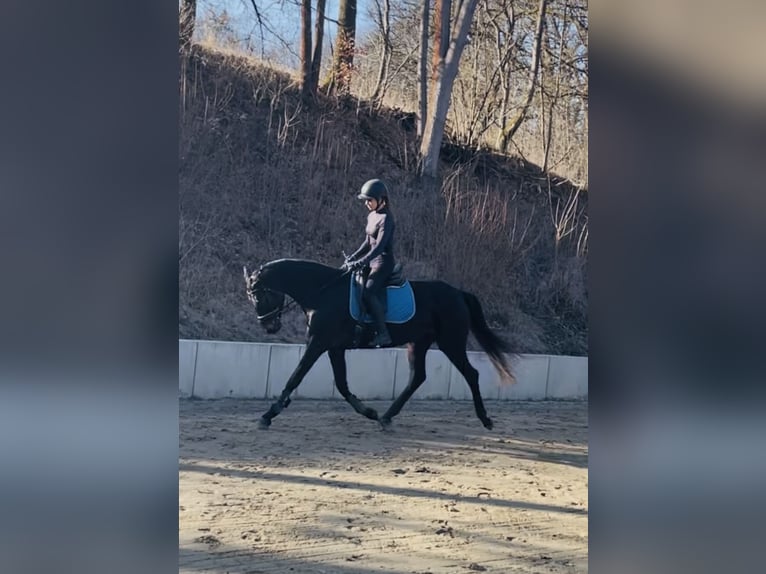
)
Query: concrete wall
[{"x": 216, "y": 369}]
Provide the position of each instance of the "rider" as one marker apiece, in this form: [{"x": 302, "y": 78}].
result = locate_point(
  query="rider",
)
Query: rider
[{"x": 377, "y": 252}]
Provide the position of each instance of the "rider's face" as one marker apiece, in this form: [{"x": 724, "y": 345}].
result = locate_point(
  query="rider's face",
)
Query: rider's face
[{"x": 372, "y": 204}]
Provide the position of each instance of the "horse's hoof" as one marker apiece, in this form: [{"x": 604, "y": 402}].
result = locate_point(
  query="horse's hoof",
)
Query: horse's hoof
[
  {"x": 385, "y": 424},
  {"x": 371, "y": 414},
  {"x": 264, "y": 423},
  {"x": 488, "y": 424}
]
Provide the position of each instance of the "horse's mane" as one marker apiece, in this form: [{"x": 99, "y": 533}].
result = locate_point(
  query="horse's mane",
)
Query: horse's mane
[
  {"x": 299, "y": 265},
  {"x": 299, "y": 269}
]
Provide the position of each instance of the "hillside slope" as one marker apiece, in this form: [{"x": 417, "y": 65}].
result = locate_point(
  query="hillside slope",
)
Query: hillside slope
[{"x": 263, "y": 176}]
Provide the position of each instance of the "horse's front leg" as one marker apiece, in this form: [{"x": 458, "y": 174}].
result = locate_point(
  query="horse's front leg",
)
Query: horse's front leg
[
  {"x": 313, "y": 352},
  {"x": 338, "y": 362}
]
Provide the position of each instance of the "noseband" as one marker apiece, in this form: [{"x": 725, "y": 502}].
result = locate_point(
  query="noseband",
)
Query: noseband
[
  {"x": 252, "y": 291},
  {"x": 276, "y": 311},
  {"x": 251, "y": 294}
]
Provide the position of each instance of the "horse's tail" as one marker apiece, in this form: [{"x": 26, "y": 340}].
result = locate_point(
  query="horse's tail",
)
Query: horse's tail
[{"x": 494, "y": 346}]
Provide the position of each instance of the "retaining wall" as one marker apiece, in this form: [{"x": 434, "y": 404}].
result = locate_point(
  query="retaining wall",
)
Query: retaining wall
[{"x": 218, "y": 369}]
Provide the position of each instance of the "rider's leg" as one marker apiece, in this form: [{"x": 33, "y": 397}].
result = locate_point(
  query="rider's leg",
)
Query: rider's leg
[{"x": 376, "y": 282}]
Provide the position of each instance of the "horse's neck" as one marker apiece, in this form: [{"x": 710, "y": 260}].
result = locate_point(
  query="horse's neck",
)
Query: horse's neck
[{"x": 302, "y": 281}]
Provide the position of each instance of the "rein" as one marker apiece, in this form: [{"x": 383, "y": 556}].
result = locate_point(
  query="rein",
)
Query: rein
[
  {"x": 278, "y": 310},
  {"x": 284, "y": 307}
]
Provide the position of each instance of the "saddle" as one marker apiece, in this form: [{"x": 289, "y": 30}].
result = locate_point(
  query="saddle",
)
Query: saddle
[
  {"x": 396, "y": 279},
  {"x": 397, "y": 298}
]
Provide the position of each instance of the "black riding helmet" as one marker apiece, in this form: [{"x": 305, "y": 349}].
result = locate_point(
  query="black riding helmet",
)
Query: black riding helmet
[{"x": 373, "y": 189}]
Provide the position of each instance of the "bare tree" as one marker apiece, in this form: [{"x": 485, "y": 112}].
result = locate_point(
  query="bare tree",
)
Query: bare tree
[
  {"x": 344, "y": 47},
  {"x": 384, "y": 20},
  {"x": 430, "y": 145},
  {"x": 260, "y": 24},
  {"x": 316, "y": 59},
  {"x": 306, "y": 48},
  {"x": 476, "y": 92},
  {"x": 559, "y": 27},
  {"x": 187, "y": 16},
  {"x": 423, "y": 68},
  {"x": 503, "y": 23},
  {"x": 508, "y": 134},
  {"x": 442, "y": 9}
]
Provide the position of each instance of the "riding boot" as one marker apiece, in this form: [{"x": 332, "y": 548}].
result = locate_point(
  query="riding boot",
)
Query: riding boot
[{"x": 375, "y": 306}]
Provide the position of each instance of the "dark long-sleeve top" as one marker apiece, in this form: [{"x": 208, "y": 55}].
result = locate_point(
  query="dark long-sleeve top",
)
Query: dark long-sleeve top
[{"x": 378, "y": 243}]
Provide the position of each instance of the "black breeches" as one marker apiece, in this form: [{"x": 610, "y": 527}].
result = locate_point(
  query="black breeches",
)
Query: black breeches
[{"x": 376, "y": 280}]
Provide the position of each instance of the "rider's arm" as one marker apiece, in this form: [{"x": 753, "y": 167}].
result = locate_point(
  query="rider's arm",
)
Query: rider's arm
[{"x": 365, "y": 246}]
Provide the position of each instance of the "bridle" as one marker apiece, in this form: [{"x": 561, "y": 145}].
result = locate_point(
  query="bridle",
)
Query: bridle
[
  {"x": 252, "y": 289},
  {"x": 278, "y": 311}
]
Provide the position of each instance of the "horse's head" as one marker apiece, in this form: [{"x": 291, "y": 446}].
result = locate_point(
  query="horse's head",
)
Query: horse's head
[{"x": 268, "y": 303}]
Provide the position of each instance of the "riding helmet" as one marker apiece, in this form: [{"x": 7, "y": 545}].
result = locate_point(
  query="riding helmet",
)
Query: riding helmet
[{"x": 373, "y": 189}]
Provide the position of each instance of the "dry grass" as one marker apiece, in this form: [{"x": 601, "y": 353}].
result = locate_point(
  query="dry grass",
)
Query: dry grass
[{"x": 265, "y": 175}]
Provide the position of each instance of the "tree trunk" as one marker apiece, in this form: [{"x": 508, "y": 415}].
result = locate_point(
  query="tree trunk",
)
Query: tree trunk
[
  {"x": 423, "y": 69},
  {"x": 186, "y": 18},
  {"x": 316, "y": 59},
  {"x": 344, "y": 47},
  {"x": 543, "y": 125},
  {"x": 533, "y": 70},
  {"x": 504, "y": 48},
  {"x": 557, "y": 93},
  {"x": 306, "y": 49},
  {"x": 430, "y": 146},
  {"x": 385, "y": 52},
  {"x": 442, "y": 9}
]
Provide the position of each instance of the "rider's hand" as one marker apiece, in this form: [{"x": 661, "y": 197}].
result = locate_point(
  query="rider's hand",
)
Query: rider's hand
[{"x": 352, "y": 265}]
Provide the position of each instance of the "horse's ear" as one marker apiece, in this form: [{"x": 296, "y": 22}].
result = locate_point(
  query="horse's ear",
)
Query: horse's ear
[{"x": 247, "y": 277}]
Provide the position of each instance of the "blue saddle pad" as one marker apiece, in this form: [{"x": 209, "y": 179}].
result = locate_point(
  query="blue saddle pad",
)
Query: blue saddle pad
[{"x": 400, "y": 304}]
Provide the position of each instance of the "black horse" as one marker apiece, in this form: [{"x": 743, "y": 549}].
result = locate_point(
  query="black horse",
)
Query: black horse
[{"x": 444, "y": 315}]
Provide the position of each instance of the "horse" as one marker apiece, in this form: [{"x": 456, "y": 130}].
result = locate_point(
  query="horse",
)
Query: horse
[{"x": 443, "y": 315}]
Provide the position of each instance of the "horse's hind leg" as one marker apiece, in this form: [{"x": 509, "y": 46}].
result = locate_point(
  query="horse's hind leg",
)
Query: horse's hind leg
[
  {"x": 338, "y": 362},
  {"x": 313, "y": 352},
  {"x": 455, "y": 351},
  {"x": 416, "y": 355}
]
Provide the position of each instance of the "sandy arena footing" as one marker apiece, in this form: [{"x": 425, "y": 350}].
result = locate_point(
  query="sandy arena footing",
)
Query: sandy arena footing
[{"x": 324, "y": 490}]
